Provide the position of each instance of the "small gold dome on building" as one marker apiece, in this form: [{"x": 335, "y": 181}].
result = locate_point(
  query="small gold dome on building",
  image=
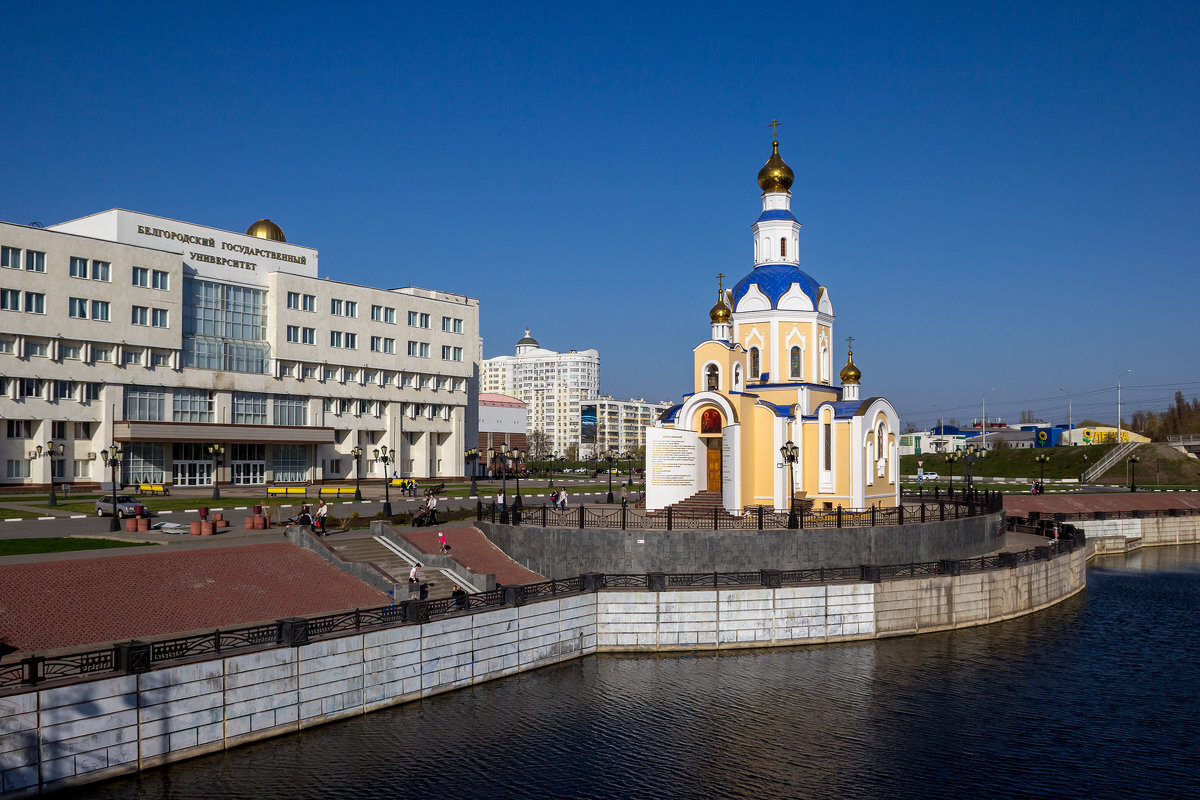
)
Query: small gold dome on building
[
  {"x": 265, "y": 229},
  {"x": 850, "y": 373},
  {"x": 720, "y": 313},
  {"x": 776, "y": 175}
]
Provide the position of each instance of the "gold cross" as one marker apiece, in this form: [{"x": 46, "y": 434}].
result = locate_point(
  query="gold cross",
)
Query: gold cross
[
  {"x": 720, "y": 286},
  {"x": 850, "y": 343},
  {"x": 774, "y": 126}
]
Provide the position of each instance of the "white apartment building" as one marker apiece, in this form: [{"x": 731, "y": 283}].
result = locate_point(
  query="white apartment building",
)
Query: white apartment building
[
  {"x": 551, "y": 384},
  {"x": 212, "y": 355},
  {"x": 620, "y": 424}
]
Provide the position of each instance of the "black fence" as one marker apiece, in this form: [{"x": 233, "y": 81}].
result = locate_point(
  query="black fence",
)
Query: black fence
[
  {"x": 140, "y": 656},
  {"x": 758, "y": 518}
]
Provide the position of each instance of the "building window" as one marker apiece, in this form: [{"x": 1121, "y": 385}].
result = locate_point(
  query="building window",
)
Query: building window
[
  {"x": 100, "y": 270},
  {"x": 35, "y": 261},
  {"x": 68, "y": 351},
  {"x": 141, "y": 315},
  {"x": 308, "y": 372},
  {"x": 418, "y": 320},
  {"x": 383, "y": 314},
  {"x": 131, "y": 357},
  {"x": 10, "y": 257},
  {"x": 308, "y": 335},
  {"x": 351, "y": 308},
  {"x": 351, "y": 341},
  {"x": 91, "y": 391},
  {"x": 192, "y": 405},
  {"x": 158, "y": 317},
  {"x": 101, "y": 354},
  {"x": 82, "y": 468},
  {"x": 160, "y": 359},
  {"x": 249, "y": 408},
  {"x": 794, "y": 362},
  {"x": 712, "y": 378},
  {"x": 293, "y": 301},
  {"x": 83, "y": 430},
  {"x": 828, "y": 446},
  {"x": 77, "y": 307},
  {"x": 20, "y": 429},
  {"x": 289, "y": 410},
  {"x": 412, "y": 319},
  {"x": 62, "y": 390},
  {"x": 754, "y": 362},
  {"x": 144, "y": 404},
  {"x": 330, "y": 374},
  {"x": 293, "y": 333},
  {"x": 18, "y": 468},
  {"x": 160, "y": 280},
  {"x": 286, "y": 370},
  {"x": 309, "y": 302},
  {"x": 35, "y": 303},
  {"x": 445, "y": 352},
  {"x": 99, "y": 309},
  {"x": 335, "y": 338},
  {"x": 141, "y": 277},
  {"x": 783, "y": 248},
  {"x": 79, "y": 267},
  {"x": 335, "y": 307},
  {"x": 10, "y": 300},
  {"x": 290, "y": 462},
  {"x": 225, "y": 327}
]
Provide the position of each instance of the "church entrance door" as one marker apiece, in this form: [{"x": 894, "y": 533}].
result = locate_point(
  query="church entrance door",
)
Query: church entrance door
[{"x": 714, "y": 465}]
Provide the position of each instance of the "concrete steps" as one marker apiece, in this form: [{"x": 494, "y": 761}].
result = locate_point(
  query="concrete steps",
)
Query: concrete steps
[{"x": 364, "y": 548}]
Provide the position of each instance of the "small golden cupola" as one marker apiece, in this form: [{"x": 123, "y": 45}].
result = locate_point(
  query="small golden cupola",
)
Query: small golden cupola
[
  {"x": 850, "y": 372},
  {"x": 776, "y": 175},
  {"x": 721, "y": 315},
  {"x": 265, "y": 229}
]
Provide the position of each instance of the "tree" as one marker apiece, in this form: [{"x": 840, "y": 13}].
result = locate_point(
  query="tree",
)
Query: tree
[
  {"x": 538, "y": 445},
  {"x": 1030, "y": 417},
  {"x": 572, "y": 453},
  {"x": 910, "y": 427}
]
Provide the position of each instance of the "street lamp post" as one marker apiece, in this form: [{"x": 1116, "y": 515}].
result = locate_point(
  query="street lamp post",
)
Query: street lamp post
[
  {"x": 971, "y": 454},
  {"x": 983, "y": 403},
  {"x": 1133, "y": 462},
  {"x": 1123, "y": 374},
  {"x": 503, "y": 479},
  {"x": 950, "y": 459},
  {"x": 472, "y": 457},
  {"x": 609, "y": 460},
  {"x": 112, "y": 458},
  {"x": 216, "y": 450},
  {"x": 385, "y": 457},
  {"x": 790, "y": 453},
  {"x": 1042, "y": 459},
  {"x": 1070, "y": 422},
  {"x": 518, "y": 462},
  {"x": 50, "y": 451},
  {"x": 357, "y": 454}
]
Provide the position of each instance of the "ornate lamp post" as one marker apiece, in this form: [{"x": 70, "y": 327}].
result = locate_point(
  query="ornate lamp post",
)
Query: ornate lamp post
[
  {"x": 950, "y": 459},
  {"x": 1133, "y": 462},
  {"x": 491, "y": 454},
  {"x": 518, "y": 463},
  {"x": 609, "y": 460},
  {"x": 216, "y": 451},
  {"x": 385, "y": 457},
  {"x": 791, "y": 453},
  {"x": 971, "y": 454},
  {"x": 472, "y": 457},
  {"x": 503, "y": 477},
  {"x": 50, "y": 451},
  {"x": 112, "y": 458},
  {"x": 1042, "y": 459},
  {"x": 357, "y": 453}
]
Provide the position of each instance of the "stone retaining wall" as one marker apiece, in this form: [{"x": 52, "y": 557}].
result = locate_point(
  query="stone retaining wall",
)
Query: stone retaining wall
[
  {"x": 1151, "y": 530},
  {"x": 67, "y": 735}
]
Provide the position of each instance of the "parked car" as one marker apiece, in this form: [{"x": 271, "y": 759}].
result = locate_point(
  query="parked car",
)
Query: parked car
[
  {"x": 126, "y": 506},
  {"x": 930, "y": 476}
]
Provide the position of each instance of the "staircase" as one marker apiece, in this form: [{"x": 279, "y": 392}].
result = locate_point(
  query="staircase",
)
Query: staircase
[
  {"x": 368, "y": 549},
  {"x": 699, "y": 503},
  {"x": 1118, "y": 453}
]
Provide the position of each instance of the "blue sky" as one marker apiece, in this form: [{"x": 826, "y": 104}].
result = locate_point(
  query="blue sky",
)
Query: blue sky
[{"x": 995, "y": 194}]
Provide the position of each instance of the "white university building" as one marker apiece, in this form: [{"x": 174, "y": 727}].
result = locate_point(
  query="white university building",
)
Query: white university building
[
  {"x": 551, "y": 384},
  {"x": 175, "y": 340}
]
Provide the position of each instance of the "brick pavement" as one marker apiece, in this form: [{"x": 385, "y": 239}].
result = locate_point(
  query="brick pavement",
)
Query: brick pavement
[
  {"x": 469, "y": 547},
  {"x": 1022, "y": 504},
  {"x": 56, "y": 604}
]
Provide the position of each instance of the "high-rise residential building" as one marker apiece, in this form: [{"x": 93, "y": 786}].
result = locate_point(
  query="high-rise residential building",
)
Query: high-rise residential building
[
  {"x": 552, "y": 385},
  {"x": 208, "y": 355},
  {"x": 620, "y": 425}
]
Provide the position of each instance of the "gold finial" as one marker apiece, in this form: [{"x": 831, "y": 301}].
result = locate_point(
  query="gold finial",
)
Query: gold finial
[
  {"x": 720, "y": 313},
  {"x": 774, "y": 126},
  {"x": 720, "y": 286},
  {"x": 850, "y": 344},
  {"x": 850, "y": 373},
  {"x": 776, "y": 175}
]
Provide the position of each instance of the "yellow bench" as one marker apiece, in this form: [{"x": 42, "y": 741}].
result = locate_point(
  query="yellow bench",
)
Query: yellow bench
[
  {"x": 337, "y": 491},
  {"x": 152, "y": 488},
  {"x": 275, "y": 491}
]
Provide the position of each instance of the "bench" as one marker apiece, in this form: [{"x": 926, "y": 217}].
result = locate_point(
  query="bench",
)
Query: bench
[
  {"x": 337, "y": 491},
  {"x": 152, "y": 488},
  {"x": 287, "y": 491}
]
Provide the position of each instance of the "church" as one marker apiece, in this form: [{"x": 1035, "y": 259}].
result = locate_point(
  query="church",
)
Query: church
[{"x": 764, "y": 388}]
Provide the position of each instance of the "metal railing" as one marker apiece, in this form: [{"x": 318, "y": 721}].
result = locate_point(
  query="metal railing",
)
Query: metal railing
[
  {"x": 136, "y": 656},
  {"x": 671, "y": 519}
]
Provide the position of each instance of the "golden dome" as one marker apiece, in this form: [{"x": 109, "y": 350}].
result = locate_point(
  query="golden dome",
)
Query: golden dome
[
  {"x": 720, "y": 313},
  {"x": 265, "y": 229},
  {"x": 850, "y": 373},
  {"x": 776, "y": 175}
]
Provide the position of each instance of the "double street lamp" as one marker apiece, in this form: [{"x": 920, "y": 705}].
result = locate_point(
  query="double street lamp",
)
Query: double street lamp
[
  {"x": 503, "y": 477},
  {"x": 385, "y": 457},
  {"x": 609, "y": 459},
  {"x": 1042, "y": 459},
  {"x": 357, "y": 454},
  {"x": 112, "y": 458},
  {"x": 216, "y": 451},
  {"x": 970, "y": 455},
  {"x": 49, "y": 451},
  {"x": 518, "y": 457},
  {"x": 791, "y": 453},
  {"x": 950, "y": 459},
  {"x": 472, "y": 457}
]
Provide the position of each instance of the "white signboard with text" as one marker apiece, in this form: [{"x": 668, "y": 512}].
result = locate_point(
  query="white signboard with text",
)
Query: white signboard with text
[{"x": 675, "y": 466}]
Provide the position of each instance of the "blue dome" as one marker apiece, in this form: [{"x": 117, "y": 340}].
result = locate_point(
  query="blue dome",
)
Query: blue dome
[{"x": 774, "y": 280}]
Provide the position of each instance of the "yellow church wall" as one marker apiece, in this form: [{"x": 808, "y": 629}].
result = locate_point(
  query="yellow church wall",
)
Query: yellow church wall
[
  {"x": 714, "y": 353},
  {"x": 758, "y": 473}
]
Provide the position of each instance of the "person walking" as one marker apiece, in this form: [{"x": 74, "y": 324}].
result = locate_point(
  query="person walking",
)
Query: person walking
[
  {"x": 414, "y": 574},
  {"x": 624, "y": 494},
  {"x": 500, "y": 501},
  {"x": 442, "y": 541},
  {"x": 319, "y": 522},
  {"x": 562, "y": 499}
]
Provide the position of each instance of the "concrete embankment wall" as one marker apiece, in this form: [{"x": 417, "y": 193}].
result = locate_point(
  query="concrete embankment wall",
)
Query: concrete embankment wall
[
  {"x": 1151, "y": 530},
  {"x": 558, "y": 552},
  {"x": 67, "y": 735}
]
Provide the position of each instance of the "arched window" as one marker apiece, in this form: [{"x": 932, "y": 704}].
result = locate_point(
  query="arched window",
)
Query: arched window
[
  {"x": 710, "y": 421},
  {"x": 783, "y": 248},
  {"x": 712, "y": 378},
  {"x": 737, "y": 377},
  {"x": 754, "y": 365},
  {"x": 795, "y": 362}
]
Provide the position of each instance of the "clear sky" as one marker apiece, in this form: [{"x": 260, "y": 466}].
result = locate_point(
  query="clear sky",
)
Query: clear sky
[{"x": 1001, "y": 194}]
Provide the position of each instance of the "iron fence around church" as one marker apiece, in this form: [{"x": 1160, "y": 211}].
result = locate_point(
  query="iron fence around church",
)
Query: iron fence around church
[
  {"x": 758, "y": 518},
  {"x": 136, "y": 656}
]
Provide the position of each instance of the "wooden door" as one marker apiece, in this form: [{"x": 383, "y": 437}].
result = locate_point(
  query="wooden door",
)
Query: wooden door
[{"x": 714, "y": 469}]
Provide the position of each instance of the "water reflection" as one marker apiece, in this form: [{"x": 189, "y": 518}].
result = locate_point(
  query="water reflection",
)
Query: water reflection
[{"x": 1094, "y": 697}]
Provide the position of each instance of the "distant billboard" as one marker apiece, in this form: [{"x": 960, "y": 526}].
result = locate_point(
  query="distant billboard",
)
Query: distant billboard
[{"x": 587, "y": 425}]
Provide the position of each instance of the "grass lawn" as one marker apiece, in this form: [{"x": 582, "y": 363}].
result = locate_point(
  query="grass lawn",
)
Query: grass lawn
[
  {"x": 20, "y": 547},
  {"x": 14, "y": 513}
]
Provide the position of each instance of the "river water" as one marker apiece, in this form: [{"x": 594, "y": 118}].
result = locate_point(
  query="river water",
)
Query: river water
[{"x": 1097, "y": 697}]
